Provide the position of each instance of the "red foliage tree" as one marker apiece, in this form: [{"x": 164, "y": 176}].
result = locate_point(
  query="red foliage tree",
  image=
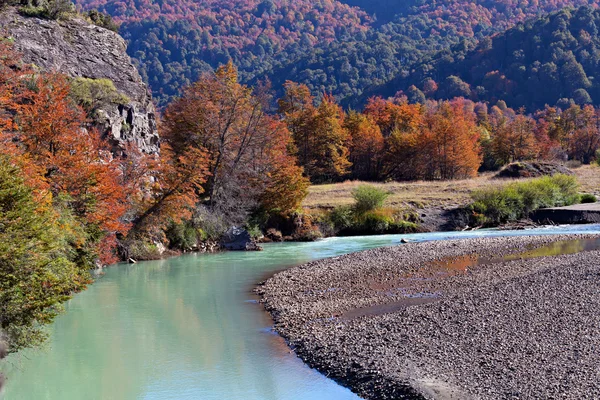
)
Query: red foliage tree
[
  {"x": 318, "y": 133},
  {"x": 366, "y": 148}
]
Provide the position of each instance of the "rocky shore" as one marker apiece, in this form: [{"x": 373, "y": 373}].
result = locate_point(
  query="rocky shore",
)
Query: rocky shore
[{"x": 488, "y": 318}]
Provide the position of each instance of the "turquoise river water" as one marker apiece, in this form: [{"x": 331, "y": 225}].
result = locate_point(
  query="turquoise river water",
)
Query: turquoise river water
[{"x": 187, "y": 328}]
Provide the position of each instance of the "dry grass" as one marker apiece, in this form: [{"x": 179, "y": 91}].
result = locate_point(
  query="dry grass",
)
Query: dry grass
[
  {"x": 426, "y": 194},
  {"x": 589, "y": 179}
]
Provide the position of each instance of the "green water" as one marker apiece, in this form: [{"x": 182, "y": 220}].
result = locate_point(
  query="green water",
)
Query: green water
[{"x": 186, "y": 328}]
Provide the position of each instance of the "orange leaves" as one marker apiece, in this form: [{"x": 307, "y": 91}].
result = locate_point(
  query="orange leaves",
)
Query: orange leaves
[
  {"x": 178, "y": 182},
  {"x": 392, "y": 117},
  {"x": 366, "y": 147},
  {"x": 437, "y": 142},
  {"x": 48, "y": 137},
  {"x": 452, "y": 139},
  {"x": 241, "y": 152},
  {"x": 319, "y": 134},
  {"x": 75, "y": 161}
]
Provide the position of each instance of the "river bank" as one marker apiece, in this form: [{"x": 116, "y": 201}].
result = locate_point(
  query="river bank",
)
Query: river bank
[{"x": 471, "y": 324}]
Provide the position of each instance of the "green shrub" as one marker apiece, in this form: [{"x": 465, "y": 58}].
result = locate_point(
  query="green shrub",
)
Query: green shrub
[
  {"x": 368, "y": 198},
  {"x": 182, "y": 236},
  {"x": 375, "y": 222},
  {"x": 347, "y": 221},
  {"x": 49, "y": 9},
  {"x": 404, "y": 227},
  {"x": 342, "y": 217},
  {"x": 102, "y": 20},
  {"x": 598, "y": 157},
  {"x": 254, "y": 231},
  {"x": 493, "y": 206},
  {"x": 93, "y": 94},
  {"x": 140, "y": 250},
  {"x": 588, "y": 198}
]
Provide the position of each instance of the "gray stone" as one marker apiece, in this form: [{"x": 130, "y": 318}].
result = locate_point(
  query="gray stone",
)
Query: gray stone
[
  {"x": 238, "y": 239},
  {"x": 79, "y": 49}
]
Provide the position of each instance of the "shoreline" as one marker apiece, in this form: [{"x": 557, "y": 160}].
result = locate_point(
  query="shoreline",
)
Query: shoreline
[{"x": 386, "y": 329}]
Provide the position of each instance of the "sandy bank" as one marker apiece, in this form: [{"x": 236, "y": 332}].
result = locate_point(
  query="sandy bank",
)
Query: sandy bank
[{"x": 422, "y": 321}]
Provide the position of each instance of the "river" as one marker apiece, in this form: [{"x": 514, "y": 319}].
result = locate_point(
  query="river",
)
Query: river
[{"x": 188, "y": 328}]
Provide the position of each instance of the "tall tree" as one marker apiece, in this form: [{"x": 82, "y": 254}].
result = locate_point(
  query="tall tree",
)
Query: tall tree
[
  {"x": 36, "y": 274},
  {"x": 366, "y": 148},
  {"x": 76, "y": 164},
  {"x": 318, "y": 133},
  {"x": 246, "y": 148},
  {"x": 452, "y": 137},
  {"x": 513, "y": 139}
]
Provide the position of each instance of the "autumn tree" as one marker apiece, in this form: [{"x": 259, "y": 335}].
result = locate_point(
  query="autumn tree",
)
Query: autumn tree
[
  {"x": 391, "y": 116},
  {"x": 318, "y": 133},
  {"x": 451, "y": 141},
  {"x": 579, "y": 132},
  {"x": 402, "y": 128},
  {"x": 514, "y": 139},
  {"x": 77, "y": 166},
  {"x": 366, "y": 146},
  {"x": 246, "y": 149},
  {"x": 68, "y": 165}
]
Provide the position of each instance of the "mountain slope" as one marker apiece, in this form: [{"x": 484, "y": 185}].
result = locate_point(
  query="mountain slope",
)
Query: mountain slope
[
  {"x": 550, "y": 60},
  {"x": 340, "y": 47}
]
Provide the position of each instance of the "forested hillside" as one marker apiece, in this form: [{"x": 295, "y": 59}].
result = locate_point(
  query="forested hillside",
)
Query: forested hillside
[
  {"x": 552, "y": 60},
  {"x": 330, "y": 46}
]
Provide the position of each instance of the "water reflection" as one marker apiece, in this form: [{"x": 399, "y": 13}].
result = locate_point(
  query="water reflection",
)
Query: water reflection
[{"x": 183, "y": 329}]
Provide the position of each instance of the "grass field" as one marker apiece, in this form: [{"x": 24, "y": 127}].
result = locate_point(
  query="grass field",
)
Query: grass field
[{"x": 429, "y": 194}]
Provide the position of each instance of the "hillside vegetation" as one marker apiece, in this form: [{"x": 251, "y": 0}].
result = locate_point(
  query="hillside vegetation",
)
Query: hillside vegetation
[
  {"x": 339, "y": 47},
  {"x": 551, "y": 60}
]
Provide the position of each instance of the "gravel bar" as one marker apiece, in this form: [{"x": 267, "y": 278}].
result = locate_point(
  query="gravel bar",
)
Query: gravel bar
[{"x": 485, "y": 318}]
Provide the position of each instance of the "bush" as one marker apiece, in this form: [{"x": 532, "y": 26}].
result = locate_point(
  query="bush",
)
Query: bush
[
  {"x": 494, "y": 206},
  {"x": 94, "y": 94},
  {"x": 368, "y": 198},
  {"x": 342, "y": 217},
  {"x": 254, "y": 231},
  {"x": 102, "y": 20},
  {"x": 141, "y": 250},
  {"x": 49, "y": 9},
  {"x": 588, "y": 198},
  {"x": 598, "y": 157},
  {"x": 377, "y": 222},
  {"x": 182, "y": 236}
]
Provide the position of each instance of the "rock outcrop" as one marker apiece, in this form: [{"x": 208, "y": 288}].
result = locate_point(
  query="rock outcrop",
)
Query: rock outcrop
[
  {"x": 238, "y": 239},
  {"x": 79, "y": 49}
]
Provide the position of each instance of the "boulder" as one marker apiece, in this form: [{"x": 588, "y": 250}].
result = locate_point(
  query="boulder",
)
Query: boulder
[
  {"x": 238, "y": 239},
  {"x": 274, "y": 235}
]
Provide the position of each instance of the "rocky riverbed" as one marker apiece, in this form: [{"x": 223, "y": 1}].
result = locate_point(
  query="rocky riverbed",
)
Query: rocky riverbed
[{"x": 488, "y": 318}]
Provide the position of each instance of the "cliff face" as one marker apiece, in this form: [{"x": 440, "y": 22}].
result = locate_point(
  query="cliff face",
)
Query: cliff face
[{"x": 79, "y": 49}]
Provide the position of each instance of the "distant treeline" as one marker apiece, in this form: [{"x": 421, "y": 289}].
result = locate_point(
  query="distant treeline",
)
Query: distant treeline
[{"x": 327, "y": 45}]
